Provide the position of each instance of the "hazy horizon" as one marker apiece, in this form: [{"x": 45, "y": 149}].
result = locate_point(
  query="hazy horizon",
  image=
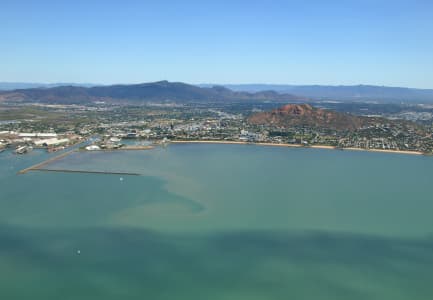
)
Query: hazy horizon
[{"x": 201, "y": 84}]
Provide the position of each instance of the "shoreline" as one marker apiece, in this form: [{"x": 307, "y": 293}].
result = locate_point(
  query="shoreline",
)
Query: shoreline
[
  {"x": 39, "y": 166},
  {"x": 297, "y": 146}
]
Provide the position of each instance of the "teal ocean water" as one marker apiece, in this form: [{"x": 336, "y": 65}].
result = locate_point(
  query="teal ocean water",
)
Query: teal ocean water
[{"x": 218, "y": 222}]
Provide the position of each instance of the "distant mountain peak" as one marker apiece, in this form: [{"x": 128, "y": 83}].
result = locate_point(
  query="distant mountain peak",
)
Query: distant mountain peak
[
  {"x": 294, "y": 109},
  {"x": 292, "y": 115}
]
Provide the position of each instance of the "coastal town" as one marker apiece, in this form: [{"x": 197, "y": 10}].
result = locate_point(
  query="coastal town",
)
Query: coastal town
[{"x": 112, "y": 127}]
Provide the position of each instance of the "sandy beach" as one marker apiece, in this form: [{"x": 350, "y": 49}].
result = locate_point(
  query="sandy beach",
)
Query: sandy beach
[
  {"x": 296, "y": 146},
  {"x": 385, "y": 151},
  {"x": 235, "y": 143}
]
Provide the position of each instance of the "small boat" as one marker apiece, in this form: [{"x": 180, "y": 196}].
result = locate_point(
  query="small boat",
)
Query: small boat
[
  {"x": 115, "y": 140},
  {"x": 23, "y": 149}
]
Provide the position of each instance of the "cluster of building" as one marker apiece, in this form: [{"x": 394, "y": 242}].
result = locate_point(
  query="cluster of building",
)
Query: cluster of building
[{"x": 24, "y": 142}]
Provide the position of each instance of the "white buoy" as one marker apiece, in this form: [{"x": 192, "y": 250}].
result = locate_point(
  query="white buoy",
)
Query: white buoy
[
  {"x": 78, "y": 252},
  {"x": 121, "y": 178}
]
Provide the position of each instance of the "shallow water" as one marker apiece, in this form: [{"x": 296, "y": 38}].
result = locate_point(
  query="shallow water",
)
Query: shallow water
[{"x": 218, "y": 222}]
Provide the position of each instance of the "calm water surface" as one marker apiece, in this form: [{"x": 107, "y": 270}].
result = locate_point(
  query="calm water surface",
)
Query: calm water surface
[{"x": 218, "y": 222}]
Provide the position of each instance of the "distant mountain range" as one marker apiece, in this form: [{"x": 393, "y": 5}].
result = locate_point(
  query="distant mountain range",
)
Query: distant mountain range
[
  {"x": 138, "y": 93},
  {"x": 342, "y": 93},
  {"x": 10, "y": 86},
  {"x": 181, "y": 92}
]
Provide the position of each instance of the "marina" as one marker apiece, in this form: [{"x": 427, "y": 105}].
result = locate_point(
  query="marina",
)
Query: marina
[{"x": 42, "y": 164}]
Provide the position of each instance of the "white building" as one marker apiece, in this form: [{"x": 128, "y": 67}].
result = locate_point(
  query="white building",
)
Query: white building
[
  {"x": 93, "y": 148},
  {"x": 51, "y": 142},
  {"x": 37, "y": 135}
]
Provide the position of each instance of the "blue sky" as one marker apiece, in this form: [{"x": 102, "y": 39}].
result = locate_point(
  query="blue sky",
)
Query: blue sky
[{"x": 288, "y": 42}]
